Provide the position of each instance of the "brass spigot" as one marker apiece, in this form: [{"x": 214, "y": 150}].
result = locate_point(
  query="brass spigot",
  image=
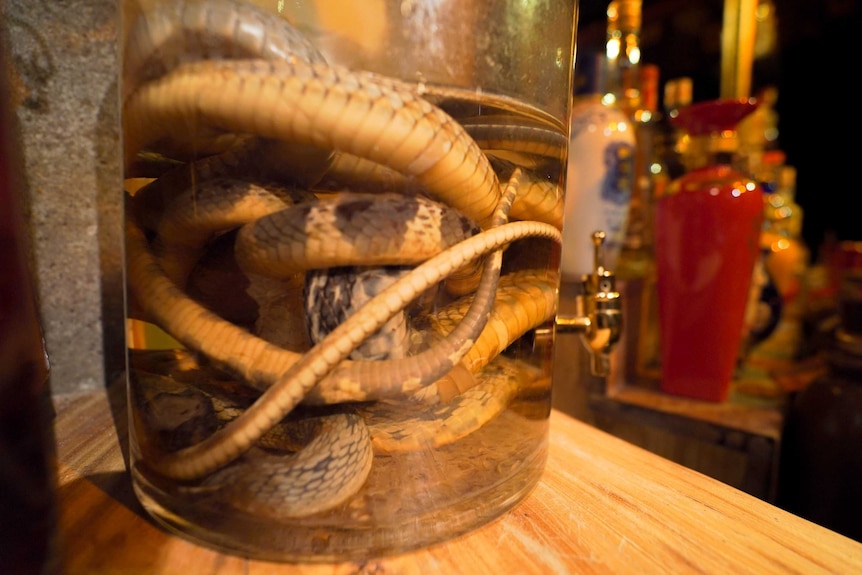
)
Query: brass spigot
[{"x": 598, "y": 314}]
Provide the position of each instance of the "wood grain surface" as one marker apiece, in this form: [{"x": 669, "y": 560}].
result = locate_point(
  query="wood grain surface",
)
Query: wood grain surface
[{"x": 602, "y": 506}]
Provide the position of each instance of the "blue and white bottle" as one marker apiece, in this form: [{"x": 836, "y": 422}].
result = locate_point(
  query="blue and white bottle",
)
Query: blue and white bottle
[{"x": 600, "y": 173}]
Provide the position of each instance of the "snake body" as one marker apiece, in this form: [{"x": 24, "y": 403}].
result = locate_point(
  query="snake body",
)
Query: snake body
[{"x": 248, "y": 89}]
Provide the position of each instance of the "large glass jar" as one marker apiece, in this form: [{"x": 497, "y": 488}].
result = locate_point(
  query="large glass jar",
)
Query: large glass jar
[{"x": 342, "y": 257}]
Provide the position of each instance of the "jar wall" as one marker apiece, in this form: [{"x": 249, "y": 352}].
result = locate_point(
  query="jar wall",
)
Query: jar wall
[{"x": 342, "y": 256}]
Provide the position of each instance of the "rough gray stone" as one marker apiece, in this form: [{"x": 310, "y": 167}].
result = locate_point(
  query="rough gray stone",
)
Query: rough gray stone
[{"x": 64, "y": 78}]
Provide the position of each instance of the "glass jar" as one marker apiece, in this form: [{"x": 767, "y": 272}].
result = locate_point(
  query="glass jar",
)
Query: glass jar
[{"x": 342, "y": 257}]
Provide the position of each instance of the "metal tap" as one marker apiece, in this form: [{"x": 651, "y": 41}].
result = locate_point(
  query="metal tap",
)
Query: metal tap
[{"x": 598, "y": 312}]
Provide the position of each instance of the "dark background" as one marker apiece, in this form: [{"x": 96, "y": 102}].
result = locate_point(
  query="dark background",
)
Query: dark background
[{"x": 814, "y": 67}]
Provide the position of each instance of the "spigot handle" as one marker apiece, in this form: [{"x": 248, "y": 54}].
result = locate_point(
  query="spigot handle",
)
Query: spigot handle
[
  {"x": 598, "y": 253},
  {"x": 598, "y": 317},
  {"x": 598, "y": 258}
]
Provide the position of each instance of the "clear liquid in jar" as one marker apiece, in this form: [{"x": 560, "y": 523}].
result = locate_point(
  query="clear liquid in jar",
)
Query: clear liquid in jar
[{"x": 412, "y": 497}]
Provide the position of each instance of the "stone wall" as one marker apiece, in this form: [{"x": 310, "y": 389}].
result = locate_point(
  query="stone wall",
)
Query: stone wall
[{"x": 64, "y": 80}]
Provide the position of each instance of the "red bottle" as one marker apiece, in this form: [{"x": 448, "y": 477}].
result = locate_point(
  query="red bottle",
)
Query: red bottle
[{"x": 707, "y": 235}]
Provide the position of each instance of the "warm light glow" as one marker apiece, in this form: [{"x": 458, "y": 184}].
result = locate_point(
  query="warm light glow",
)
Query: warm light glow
[
  {"x": 763, "y": 11},
  {"x": 770, "y": 134},
  {"x": 612, "y": 127},
  {"x": 750, "y": 186},
  {"x": 612, "y": 48}
]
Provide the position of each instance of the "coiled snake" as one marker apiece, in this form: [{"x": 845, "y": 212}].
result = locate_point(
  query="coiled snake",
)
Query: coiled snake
[{"x": 243, "y": 114}]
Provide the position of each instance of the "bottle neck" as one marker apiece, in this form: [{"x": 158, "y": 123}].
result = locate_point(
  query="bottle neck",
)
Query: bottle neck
[
  {"x": 713, "y": 150},
  {"x": 622, "y": 49}
]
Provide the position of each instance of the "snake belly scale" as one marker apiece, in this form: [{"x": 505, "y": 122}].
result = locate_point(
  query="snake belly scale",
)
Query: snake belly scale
[{"x": 236, "y": 114}]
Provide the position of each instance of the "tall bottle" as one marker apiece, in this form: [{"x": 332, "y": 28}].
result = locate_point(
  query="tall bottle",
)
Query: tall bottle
[
  {"x": 638, "y": 355},
  {"x": 785, "y": 260},
  {"x": 635, "y": 257},
  {"x": 600, "y": 172},
  {"x": 602, "y": 144},
  {"x": 706, "y": 243},
  {"x": 669, "y": 145},
  {"x": 760, "y": 158},
  {"x": 788, "y": 255}
]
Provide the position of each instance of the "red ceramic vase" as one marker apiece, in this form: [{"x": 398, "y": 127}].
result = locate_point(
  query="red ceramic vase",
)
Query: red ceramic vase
[{"x": 707, "y": 236}]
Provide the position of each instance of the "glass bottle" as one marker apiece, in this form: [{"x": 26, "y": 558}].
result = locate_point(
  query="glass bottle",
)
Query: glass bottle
[
  {"x": 622, "y": 48},
  {"x": 600, "y": 172},
  {"x": 331, "y": 354},
  {"x": 648, "y": 173},
  {"x": 602, "y": 144},
  {"x": 673, "y": 141},
  {"x": 707, "y": 236},
  {"x": 785, "y": 260},
  {"x": 636, "y": 269},
  {"x": 641, "y": 350},
  {"x": 788, "y": 256},
  {"x": 773, "y": 290}
]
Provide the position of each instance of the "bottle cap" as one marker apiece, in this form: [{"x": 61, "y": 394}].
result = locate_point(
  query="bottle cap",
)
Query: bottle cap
[{"x": 714, "y": 116}]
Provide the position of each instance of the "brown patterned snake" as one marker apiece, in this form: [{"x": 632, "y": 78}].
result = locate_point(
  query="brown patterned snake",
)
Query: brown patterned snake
[{"x": 254, "y": 92}]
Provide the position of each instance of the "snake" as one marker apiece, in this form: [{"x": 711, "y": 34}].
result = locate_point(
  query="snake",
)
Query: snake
[{"x": 243, "y": 113}]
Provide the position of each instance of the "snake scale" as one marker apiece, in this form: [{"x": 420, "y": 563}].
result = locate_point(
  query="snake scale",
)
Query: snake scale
[{"x": 244, "y": 115}]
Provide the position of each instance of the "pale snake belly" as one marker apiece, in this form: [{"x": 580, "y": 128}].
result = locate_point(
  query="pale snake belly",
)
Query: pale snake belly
[{"x": 295, "y": 101}]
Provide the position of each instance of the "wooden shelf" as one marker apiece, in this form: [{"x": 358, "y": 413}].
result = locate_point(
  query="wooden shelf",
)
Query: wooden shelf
[
  {"x": 763, "y": 421},
  {"x": 753, "y": 432},
  {"x": 602, "y": 506}
]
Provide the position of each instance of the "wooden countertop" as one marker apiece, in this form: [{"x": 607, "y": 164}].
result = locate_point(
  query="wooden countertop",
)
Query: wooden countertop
[{"x": 602, "y": 506}]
